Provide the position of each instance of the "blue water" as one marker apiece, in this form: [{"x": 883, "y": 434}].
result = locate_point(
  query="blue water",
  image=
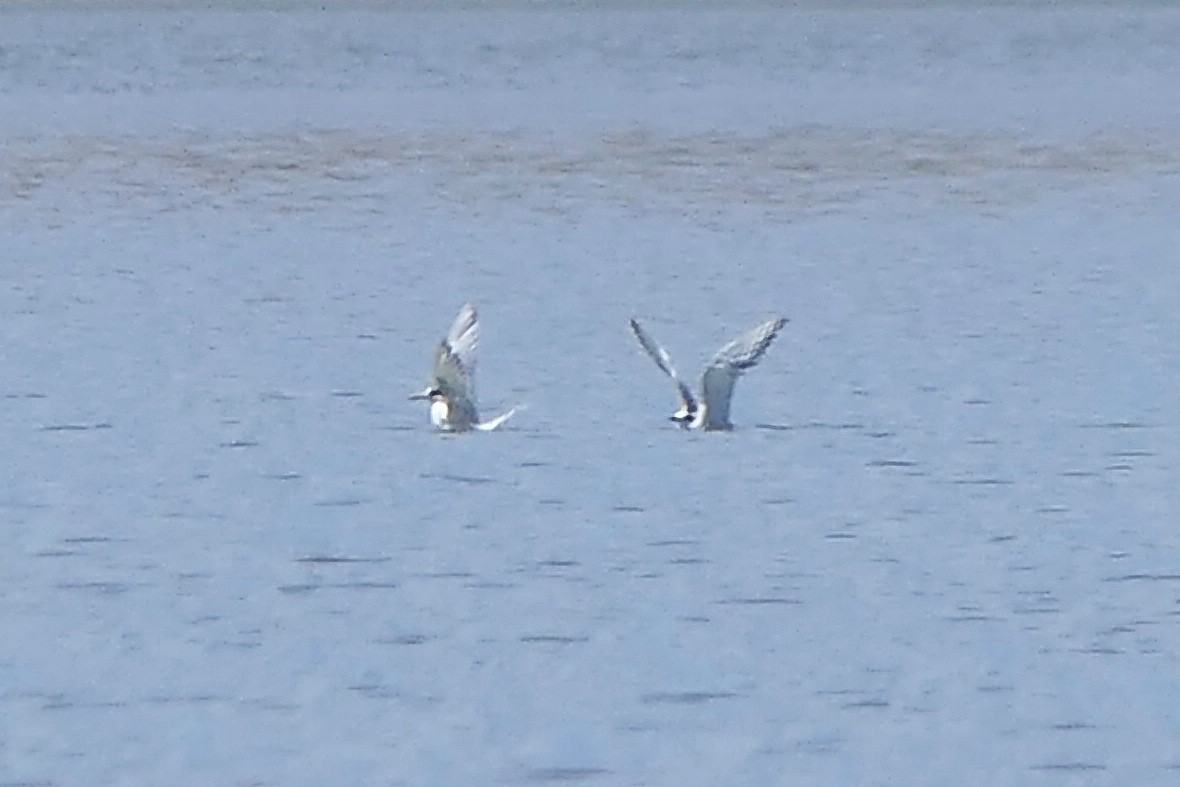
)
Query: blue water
[{"x": 940, "y": 546}]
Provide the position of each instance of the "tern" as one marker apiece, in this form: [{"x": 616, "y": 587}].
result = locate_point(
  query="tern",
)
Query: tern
[
  {"x": 451, "y": 392},
  {"x": 711, "y": 411}
]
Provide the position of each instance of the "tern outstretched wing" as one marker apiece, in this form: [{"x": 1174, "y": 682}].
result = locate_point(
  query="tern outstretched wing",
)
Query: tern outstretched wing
[
  {"x": 730, "y": 362},
  {"x": 454, "y": 365},
  {"x": 463, "y": 338},
  {"x": 662, "y": 359}
]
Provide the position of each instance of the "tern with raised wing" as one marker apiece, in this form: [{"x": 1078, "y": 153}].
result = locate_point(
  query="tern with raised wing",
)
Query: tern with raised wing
[
  {"x": 451, "y": 392},
  {"x": 711, "y": 411}
]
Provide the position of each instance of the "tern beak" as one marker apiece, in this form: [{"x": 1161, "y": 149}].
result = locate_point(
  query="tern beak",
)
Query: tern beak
[{"x": 420, "y": 396}]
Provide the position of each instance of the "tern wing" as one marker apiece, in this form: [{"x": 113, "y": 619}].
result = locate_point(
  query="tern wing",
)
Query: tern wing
[
  {"x": 454, "y": 360},
  {"x": 452, "y": 378},
  {"x": 730, "y": 362},
  {"x": 664, "y": 361},
  {"x": 463, "y": 337},
  {"x": 454, "y": 365}
]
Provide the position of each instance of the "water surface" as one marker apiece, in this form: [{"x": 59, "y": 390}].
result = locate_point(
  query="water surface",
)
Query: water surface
[{"x": 940, "y": 542}]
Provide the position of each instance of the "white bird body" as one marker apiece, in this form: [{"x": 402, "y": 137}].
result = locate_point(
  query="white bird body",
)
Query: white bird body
[
  {"x": 451, "y": 392},
  {"x": 711, "y": 411},
  {"x": 439, "y": 412}
]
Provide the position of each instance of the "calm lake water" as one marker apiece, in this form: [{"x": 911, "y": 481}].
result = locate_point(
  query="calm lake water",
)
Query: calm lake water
[{"x": 940, "y": 547}]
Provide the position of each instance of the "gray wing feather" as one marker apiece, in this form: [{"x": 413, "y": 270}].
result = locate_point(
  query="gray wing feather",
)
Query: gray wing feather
[
  {"x": 450, "y": 375},
  {"x": 747, "y": 350},
  {"x": 454, "y": 363},
  {"x": 664, "y": 361},
  {"x": 730, "y": 362},
  {"x": 463, "y": 337}
]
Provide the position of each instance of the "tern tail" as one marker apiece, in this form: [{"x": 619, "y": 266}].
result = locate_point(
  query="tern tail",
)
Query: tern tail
[{"x": 487, "y": 426}]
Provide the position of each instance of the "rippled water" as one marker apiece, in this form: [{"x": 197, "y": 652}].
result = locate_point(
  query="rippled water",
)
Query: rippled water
[{"x": 939, "y": 548}]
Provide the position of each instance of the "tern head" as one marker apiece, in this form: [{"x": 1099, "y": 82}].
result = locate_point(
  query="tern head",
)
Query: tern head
[
  {"x": 431, "y": 393},
  {"x": 682, "y": 417}
]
